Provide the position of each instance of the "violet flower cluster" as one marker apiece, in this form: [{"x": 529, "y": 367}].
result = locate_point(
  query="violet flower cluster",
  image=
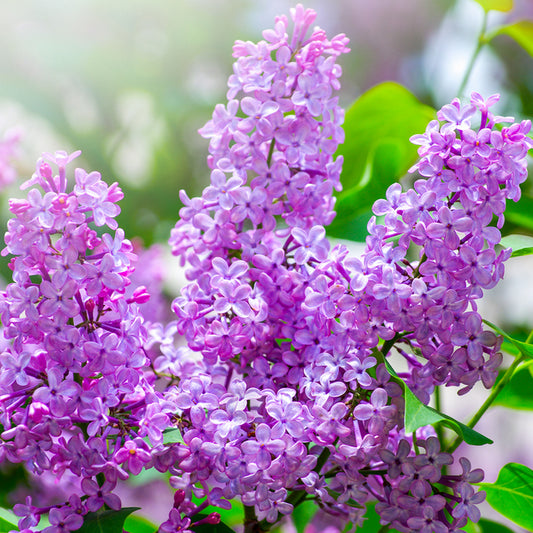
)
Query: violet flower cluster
[
  {"x": 75, "y": 396},
  {"x": 280, "y": 392},
  {"x": 290, "y": 399}
]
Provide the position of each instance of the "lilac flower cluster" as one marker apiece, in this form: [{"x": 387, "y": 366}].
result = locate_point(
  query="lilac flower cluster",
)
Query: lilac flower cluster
[
  {"x": 288, "y": 398},
  {"x": 411, "y": 501},
  {"x": 280, "y": 392},
  {"x": 75, "y": 397},
  {"x": 435, "y": 251}
]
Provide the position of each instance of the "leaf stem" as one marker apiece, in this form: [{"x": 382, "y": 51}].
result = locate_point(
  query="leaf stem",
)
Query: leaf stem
[{"x": 481, "y": 41}]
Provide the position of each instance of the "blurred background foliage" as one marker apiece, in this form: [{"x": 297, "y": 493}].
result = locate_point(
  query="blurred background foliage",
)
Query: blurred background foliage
[{"x": 130, "y": 82}]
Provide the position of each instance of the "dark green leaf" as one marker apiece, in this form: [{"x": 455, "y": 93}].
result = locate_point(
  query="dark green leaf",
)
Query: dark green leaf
[
  {"x": 520, "y": 244},
  {"x": 106, "y": 521},
  {"x": 210, "y": 528},
  {"x": 521, "y": 32},
  {"x": 12, "y": 477},
  {"x": 496, "y": 5},
  {"x": 376, "y": 152},
  {"x": 486, "y": 526},
  {"x": 512, "y": 494},
  {"x": 418, "y": 415},
  {"x": 517, "y": 393},
  {"x": 138, "y": 524},
  {"x": 525, "y": 349}
]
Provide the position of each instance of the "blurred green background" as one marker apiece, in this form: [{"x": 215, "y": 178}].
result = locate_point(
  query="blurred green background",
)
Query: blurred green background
[{"x": 130, "y": 82}]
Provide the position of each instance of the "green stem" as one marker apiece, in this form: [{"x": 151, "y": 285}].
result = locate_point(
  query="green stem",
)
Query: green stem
[
  {"x": 387, "y": 345},
  {"x": 271, "y": 151},
  {"x": 438, "y": 407},
  {"x": 481, "y": 41},
  {"x": 488, "y": 402}
]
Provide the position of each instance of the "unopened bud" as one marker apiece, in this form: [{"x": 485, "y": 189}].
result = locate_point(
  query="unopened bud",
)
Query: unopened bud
[
  {"x": 213, "y": 518},
  {"x": 140, "y": 295},
  {"x": 179, "y": 497}
]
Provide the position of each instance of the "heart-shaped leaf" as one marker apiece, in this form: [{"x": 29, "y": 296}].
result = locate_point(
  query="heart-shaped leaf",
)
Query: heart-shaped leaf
[
  {"x": 106, "y": 521},
  {"x": 418, "y": 415}
]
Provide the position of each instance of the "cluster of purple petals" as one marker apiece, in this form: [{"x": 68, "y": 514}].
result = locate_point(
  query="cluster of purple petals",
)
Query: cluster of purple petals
[
  {"x": 279, "y": 393},
  {"x": 412, "y": 502},
  {"x": 76, "y": 397},
  {"x": 435, "y": 250},
  {"x": 287, "y": 396}
]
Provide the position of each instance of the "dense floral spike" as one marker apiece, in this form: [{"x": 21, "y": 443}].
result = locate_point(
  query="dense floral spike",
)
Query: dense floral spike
[
  {"x": 469, "y": 173},
  {"x": 74, "y": 392},
  {"x": 291, "y": 391}
]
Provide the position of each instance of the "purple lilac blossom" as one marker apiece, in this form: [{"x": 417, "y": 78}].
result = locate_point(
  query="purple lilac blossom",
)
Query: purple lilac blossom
[
  {"x": 307, "y": 328},
  {"x": 75, "y": 395},
  {"x": 279, "y": 393}
]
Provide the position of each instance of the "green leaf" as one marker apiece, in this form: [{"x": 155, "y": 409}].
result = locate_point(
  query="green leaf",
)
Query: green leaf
[
  {"x": 520, "y": 244},
  {"x": 139, "y": 524},
  {"x": 486, "y": 526},
  {"x": 232, "y": 517},
  {"x": 512, "y": 494},
  {"x": 517, "y": 393},
  {"x": 354, "y": 206},
  {"x": 209, "y": 528},
  {"x": 377, "y": 152},
  {"x": 525, "y": 349},
  {"x": 496, "y": 5},
  {"x": 418, "y": 415},
  {"x": 8, "y": 521},
  {"x": 521, "y": 32},
  {"x": 12, "y": 478},
  {"x": 172, "y": 436},
  {"x": 302, "y": 515},
  {"x": 106, "y": 521}
]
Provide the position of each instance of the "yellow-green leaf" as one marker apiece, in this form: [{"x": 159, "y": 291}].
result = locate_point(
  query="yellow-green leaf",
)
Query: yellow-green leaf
[
  {"x": 496, "y": 5},
  {"x": 377, "y": 152},
  {"x": 521, "y": 32}
]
